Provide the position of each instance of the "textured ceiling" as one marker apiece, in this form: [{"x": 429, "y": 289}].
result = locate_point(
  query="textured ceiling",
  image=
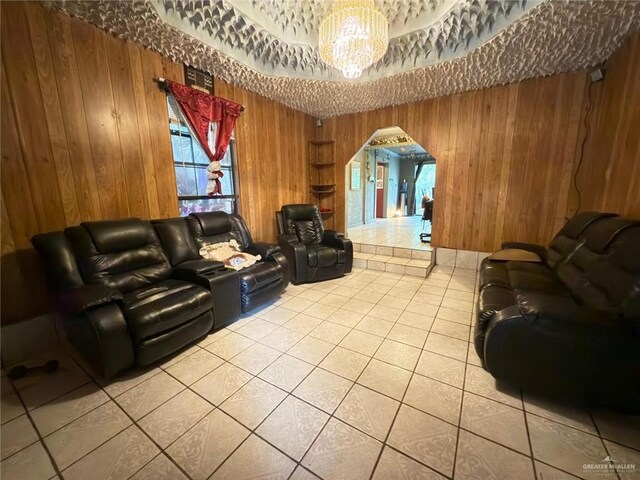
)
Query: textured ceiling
[
  {"x": 280, "y": 37},
  {"x": 437, "y": 47}
]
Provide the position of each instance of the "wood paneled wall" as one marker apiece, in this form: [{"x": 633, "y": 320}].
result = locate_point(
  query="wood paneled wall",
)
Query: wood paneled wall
[
  {"x": 504, "y": 157},
  {"x": 609, "y": 176},
  {"x": 85, "y": 137},
  {"x": 272, "y": 158}
]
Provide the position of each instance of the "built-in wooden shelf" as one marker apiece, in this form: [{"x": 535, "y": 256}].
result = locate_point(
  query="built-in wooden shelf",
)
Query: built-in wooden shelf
[{"x": 322, "y": 178}]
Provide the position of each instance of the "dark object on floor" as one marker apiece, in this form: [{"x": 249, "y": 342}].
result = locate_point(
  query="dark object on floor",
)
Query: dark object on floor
[
  {"x": 20, "y": 371},
  {"x": 570, "y": 324},
  {"x": 427, "y": 216},
  {"x": 314, "y": 254}
]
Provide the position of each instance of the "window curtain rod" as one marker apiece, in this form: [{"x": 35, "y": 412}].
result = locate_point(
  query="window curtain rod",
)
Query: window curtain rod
[{"x": 162, "y": 84}]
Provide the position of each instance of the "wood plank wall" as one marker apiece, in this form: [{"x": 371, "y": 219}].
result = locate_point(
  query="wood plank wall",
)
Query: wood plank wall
[
  {"x": 505, "y": 156},
  {"x": 609, "y": 177},
  {"x": 85, "y": 137}
]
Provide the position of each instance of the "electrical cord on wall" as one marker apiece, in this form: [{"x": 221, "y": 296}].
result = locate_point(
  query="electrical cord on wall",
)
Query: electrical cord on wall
[{"x": 584, "y": 141}]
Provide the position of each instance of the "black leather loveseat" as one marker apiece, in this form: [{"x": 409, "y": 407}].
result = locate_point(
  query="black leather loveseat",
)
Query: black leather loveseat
[
  {"x": 127, "y": 299},
  {"x": 259, "y": 283},
  {"x": 314, "y": 254},
  {"x": 570, "y": 324}
]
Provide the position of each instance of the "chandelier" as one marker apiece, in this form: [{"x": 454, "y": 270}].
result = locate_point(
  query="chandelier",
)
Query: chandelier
[{"x": 353, "y": 36}]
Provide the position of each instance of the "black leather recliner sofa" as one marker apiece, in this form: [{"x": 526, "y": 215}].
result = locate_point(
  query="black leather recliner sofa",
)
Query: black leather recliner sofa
[
  {"x": 571, "y": 324},
  {"x": 121, "y": 304},
  {"x": 258, "y": 283},
  {"x": 127, "y": 299},
  {"x": 314, "y": 254}
]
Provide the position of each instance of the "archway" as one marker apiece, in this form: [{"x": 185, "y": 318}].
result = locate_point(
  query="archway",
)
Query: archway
[{"x": 385, "y": 184}]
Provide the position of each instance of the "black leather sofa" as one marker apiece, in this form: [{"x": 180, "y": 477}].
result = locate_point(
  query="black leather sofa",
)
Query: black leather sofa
[
  {"x": 127, "y": 299},
  {"x": 569, "y": 325},
  {"x": 314, "y": 254},
  {"x": 260, "y": 282}
]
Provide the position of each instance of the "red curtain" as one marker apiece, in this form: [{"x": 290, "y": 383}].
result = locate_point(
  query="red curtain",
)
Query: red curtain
[{"x": 202, "y": 109}]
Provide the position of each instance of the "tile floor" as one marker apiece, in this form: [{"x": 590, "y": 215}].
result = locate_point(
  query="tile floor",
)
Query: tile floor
[
  {"x": 371, "y": 376},
  {"x": 402, "y": 232}
]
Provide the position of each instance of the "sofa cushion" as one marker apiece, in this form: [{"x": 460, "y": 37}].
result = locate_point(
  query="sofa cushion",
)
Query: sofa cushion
[
  {"x": 493, "y": 299},
  {"x": 259, "y": 275},
  {"x": 107, "y": 255},
  {"x": 307, "y": 233},
  {"x": 494, "y": 273},
  {"x": 532, "y": 276},
  {"x": 163, "y": 306},
  {"x": 320, "y": 256},
  {"x": 605, "y": 272},
  {"x": 515, "y": 275}
]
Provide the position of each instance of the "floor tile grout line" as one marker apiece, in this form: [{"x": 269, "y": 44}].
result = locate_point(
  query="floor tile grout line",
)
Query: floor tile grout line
[
  {"x": 526, "y": 426},
  {"x": 134, "y": 423},
  {"x": 40, "y": 440},
  {"x": 385, "y": 442},
  {"x": 464, "y": 380},
  {"x": 269, "y": 414},
  {"x": 602, "y": 440},
  {"x": 90, "y": 382}
]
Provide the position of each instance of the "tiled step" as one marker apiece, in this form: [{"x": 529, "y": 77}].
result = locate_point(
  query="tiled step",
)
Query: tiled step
[{"x": 405, "y": 261}]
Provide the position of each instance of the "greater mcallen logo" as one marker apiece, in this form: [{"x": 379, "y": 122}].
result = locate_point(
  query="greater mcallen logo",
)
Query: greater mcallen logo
[{"x": 609, "y": 466}]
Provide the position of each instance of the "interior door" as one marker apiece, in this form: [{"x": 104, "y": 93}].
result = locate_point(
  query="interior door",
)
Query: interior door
[{"x": 380, "y": 190}]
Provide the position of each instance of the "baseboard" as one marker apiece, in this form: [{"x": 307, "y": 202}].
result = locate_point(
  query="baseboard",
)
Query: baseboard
[{"x": 451, "y": 257}]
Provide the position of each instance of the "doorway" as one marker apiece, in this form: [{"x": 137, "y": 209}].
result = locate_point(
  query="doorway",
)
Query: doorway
[{"x": 385, "y": 184}]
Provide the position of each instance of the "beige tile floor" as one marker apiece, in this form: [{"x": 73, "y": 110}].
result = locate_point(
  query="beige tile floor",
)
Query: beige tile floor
[
  {"x": 402, "y": 232},
  {"x": 365, "y": 377}
]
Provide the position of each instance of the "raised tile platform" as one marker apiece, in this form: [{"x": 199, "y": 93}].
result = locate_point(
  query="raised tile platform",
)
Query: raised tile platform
[{"x": 406, "y": 261}]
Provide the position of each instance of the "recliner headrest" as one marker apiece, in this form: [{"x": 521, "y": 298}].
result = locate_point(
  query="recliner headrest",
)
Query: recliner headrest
[
  {"x": 298, "y": 212},
  {"x": 213, "y": 223},
  {"x": 600, "y": 235},
  {"x": 576, "y": 225},
  {"x": 112, "y": 236}
]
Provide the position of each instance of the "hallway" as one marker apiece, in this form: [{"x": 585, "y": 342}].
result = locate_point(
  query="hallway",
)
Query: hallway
[{"x": 397, "y": 232}]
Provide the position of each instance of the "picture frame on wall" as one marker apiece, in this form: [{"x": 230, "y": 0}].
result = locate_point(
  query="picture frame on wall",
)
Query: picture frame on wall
[{"x": 356, "y": 172}]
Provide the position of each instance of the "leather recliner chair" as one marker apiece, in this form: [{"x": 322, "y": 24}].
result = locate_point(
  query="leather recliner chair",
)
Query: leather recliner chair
[
  {"x": 260, "y": 282},
  {"x": 314, "y": 253},
  {"x": 569, "y": 325},
  {"x": 120, "y": 300}
]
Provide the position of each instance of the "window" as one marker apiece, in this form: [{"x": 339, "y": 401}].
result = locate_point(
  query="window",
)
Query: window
[
  {"x": 425, "y": 184},
  {"x": 190, "y": 163}
]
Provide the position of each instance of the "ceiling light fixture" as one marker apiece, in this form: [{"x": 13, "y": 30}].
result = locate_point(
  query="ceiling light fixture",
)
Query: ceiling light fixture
[{"x": 353, "y": 36}]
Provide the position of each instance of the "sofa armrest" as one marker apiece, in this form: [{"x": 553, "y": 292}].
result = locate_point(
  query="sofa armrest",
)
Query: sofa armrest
[
  {"x": 197, "y": 267},
  {"x": 335, "y": 239},
  {"x": 296, "y": 255},
  {"x": 86, "y": 297},
  {"x": 529, "y": 247},
  {"x": 265, "y": 250}
]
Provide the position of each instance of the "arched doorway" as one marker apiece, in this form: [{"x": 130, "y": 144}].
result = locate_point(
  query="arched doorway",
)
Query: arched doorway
[{"x": 386, "y": 182}]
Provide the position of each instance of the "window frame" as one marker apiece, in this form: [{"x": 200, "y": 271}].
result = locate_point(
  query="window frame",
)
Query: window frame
[{"x": 231, "y": 168}]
